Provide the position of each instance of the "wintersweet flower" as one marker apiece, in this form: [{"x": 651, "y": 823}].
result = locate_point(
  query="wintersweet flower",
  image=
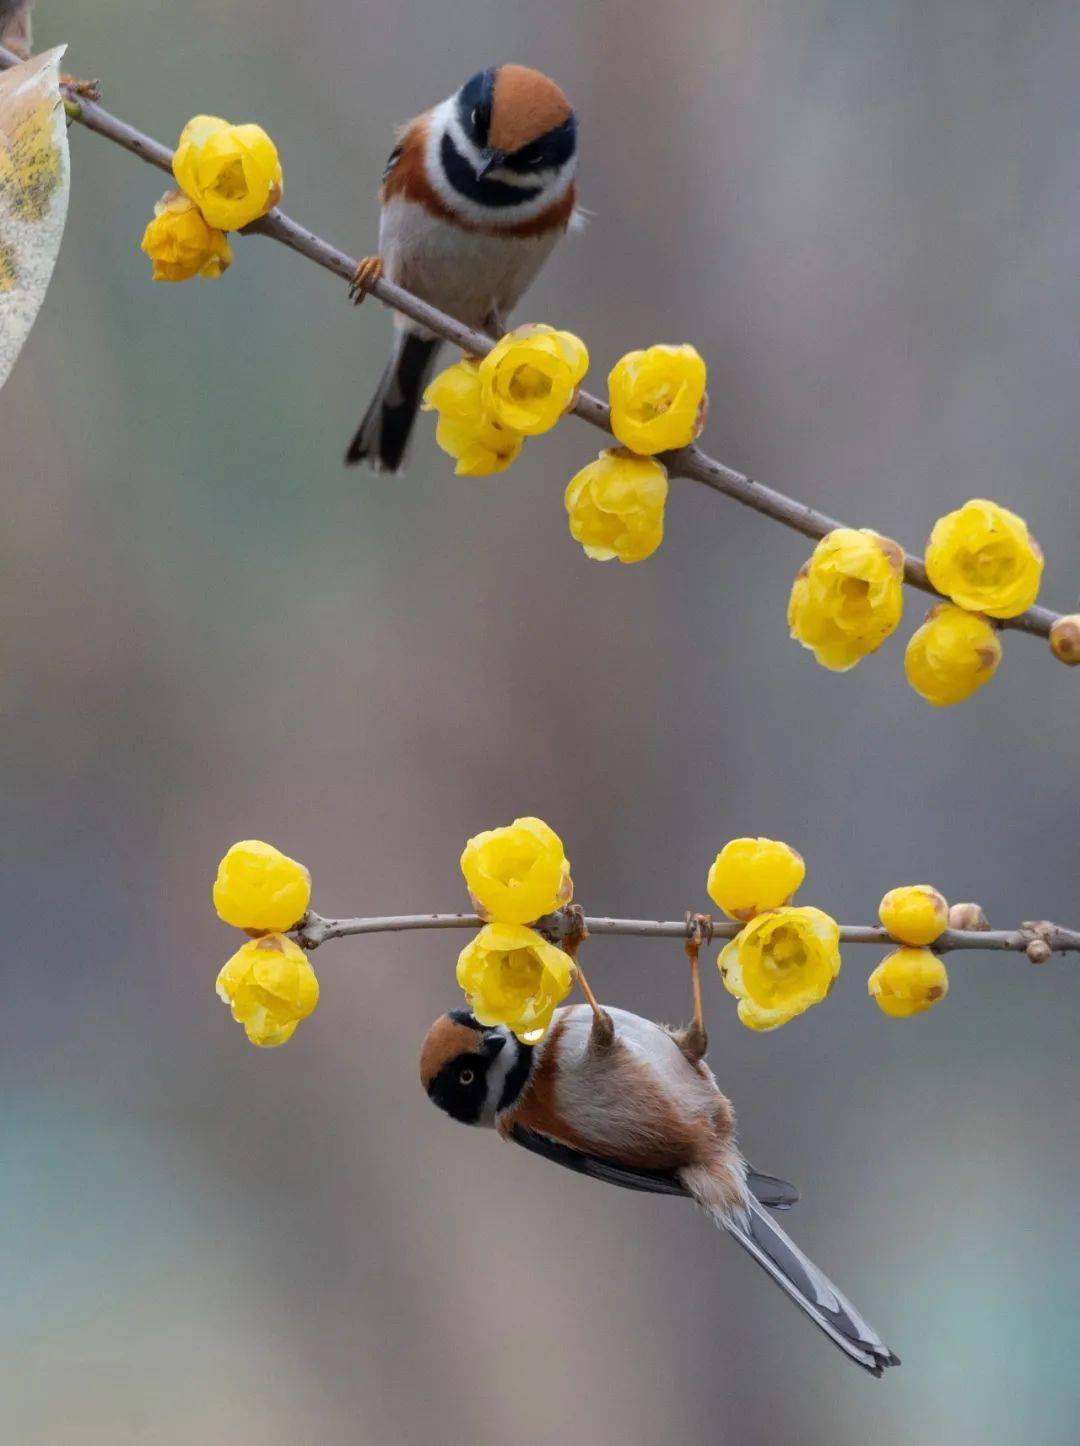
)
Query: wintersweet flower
[
  {"x": 260, "y": 889},
  {"x": 848, "y": 597},
  {"x": 466, "y": 430},
  {"x": 511, "y": 975},
  {"x": 518, "y": 873},
  {"x": 658, "y": 398},
  {"x": 781, "y": 964},
  {"x": 907, "y": 982},
  {"x": 181, "y": 244},
  {"x": 530, "y": 378},
  {"x": 953, "y": 654},
  {"x": 232, "y": 173},
  {"x": 616, "y": 506},
  {"x": 271, "y": 986},
  {"x": 914, "y": 914},
  {"x": 751, "y": 875},
  {"x": 984, "y": 558}
]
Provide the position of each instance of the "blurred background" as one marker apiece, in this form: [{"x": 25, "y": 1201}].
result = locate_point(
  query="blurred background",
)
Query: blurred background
[{"x": 866, "y": 217}]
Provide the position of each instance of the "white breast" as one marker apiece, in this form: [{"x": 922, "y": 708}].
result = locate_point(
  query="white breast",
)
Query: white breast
[{"x": 472, "y": 275}]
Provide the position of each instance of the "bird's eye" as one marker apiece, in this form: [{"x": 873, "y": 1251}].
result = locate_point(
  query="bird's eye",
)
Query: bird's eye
[
  {"x": 534, "y": 158},
  {"x": 466, "y": 1076},
  {"x": 473, "y": 119}
]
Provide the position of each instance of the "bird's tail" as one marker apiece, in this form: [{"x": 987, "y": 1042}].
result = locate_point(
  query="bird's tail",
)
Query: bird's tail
[
  {"x": 797, "y": 1276},
  {"x": 384, "y": 433}
]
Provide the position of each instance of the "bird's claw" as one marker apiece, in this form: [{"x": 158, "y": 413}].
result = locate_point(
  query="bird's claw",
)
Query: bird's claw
[
  {"x": 364, "y": 278},
  {"x": 86, "y": 89}
]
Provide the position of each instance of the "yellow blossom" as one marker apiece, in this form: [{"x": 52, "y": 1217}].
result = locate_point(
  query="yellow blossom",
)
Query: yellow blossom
[
  {"x": 260, "y": 889},
  {"x": 914, "y": 913},
  {"x": 783, "y": 962},
  {"x": 232, "y": 173},
  {"x": 517, "y": 873},
  {"x": 530, "y": 378},
  {"x": 658, "y": 398},
  {"x": 848, "y": 597},
  {"x": 1065, "y": 639},
  {"x": 511, "y": 975},
  {"x": 181, "y": 244},
  {"x": 952, "y": 655},
  {"x": 907, "y": 982},
  {"x": 750, "y": 875},
  {"x": 983, "y": 557},
  {"x": 616, "y": 506},
  {"x": 479, "y": 444},
  {"x": 271, "y": 987}
]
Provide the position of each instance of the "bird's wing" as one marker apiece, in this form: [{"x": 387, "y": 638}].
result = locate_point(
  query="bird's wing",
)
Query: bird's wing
[
  {"x": 767, "y": 1189},
  {"x": 630, "y": 1177}
]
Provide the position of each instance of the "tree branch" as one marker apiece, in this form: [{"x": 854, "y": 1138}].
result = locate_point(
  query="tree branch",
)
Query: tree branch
[
  {"x": 691, "y": 462},
  {"x": 314, "y": 930}
]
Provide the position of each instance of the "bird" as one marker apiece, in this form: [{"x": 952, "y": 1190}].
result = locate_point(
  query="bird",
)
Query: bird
[
  {"x": 16, "y": 31},
  {"x": 625, "y": 1100},
  {"x": 475, "y": 195}
]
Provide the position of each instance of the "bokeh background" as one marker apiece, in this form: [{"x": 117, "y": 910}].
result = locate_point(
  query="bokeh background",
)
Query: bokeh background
[{"x": 866, "y": 216}]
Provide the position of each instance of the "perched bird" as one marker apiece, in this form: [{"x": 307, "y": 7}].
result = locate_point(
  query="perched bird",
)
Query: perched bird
[
  {"x": 15, "y": 28},
  {"x": 617, "y": 1097},
  {"x": 475, "y": 194}
]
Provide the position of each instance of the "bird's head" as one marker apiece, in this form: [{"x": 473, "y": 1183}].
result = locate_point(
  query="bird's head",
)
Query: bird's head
[
  {"x": 469, "y": 1071},
  {"x": 517, "y": 123}
]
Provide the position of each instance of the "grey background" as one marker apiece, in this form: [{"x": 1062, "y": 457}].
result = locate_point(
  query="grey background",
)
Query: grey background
[{"x": 865, "y": 216}]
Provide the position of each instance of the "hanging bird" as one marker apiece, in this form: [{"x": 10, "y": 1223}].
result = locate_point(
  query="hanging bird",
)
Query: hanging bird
[
  {"x": 617, "y": 1097},
  {"x": 475, "y": 195}
]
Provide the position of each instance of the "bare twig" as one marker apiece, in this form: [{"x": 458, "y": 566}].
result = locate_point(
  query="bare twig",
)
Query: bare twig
[
  {"x": 691, "y": 462},
  {"x": 314, "y": 930}
]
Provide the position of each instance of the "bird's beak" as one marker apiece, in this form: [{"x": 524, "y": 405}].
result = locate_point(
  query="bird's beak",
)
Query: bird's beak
[
  {"x": 489, "y": 159},
  {"x": 492, "y": 1045}
]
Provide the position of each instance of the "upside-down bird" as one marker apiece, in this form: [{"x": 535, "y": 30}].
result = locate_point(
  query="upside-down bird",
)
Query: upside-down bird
[
  {"x": 475, "y": 194},
  {"x": 617, "y": 1097}
]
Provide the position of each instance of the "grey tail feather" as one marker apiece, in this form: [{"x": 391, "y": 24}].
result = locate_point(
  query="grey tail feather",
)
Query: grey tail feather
[
  {"x": 384, "y": 433},
  {"x": 807, "y": 1286},
  {"x": 771, "y": 1190}
]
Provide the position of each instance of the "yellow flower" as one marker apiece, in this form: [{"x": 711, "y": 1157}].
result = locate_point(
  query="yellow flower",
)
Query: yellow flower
[
  {"x": 952, "y": 655},
  {"x": 1065, "y": 639},
  {"x": 907, "y": 982},
  {"x": 848, "y": 597},
  {"x": 511, "y": 975},
  {"x": 260, "y": 889},
  {"x": 232, "y": 173},
  {"x": 271, "y": 987},
  {"x": 465, "y": 430},
  {"x": 914, "y": 914},
  {"x": 984, "y": 558},
  {"x": 783, "y": 962},
  {"x": 750, "y": 875},
  {"x": 530, "y": 378},
  {"x": 181, "y": 244},
  {"x": 616, "y": 506},
  {"x": 518, "y": 873},
  {"x": 658, "y": 398}
]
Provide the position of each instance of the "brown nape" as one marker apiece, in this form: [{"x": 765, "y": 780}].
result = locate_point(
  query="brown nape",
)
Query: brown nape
[
  {"x": 446, "y": 1039},
  {"x": 526, "y": 105}
]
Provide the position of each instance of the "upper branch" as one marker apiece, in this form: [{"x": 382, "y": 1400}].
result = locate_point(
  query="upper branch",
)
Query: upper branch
[
  {"x": 691, "y": 462},
  {"x": 314, "y": 930}
]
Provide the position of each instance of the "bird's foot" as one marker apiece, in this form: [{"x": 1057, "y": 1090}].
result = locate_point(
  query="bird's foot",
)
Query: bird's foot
[
  {"x": 602, "y": 1035},
  {"x": 693, "y": 1041},
  {"x": 364, "y": 278},
  {"x": 87, "y": 89}
]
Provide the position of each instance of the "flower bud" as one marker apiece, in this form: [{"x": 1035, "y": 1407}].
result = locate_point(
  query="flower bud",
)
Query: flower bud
[
  {"x": 530, "y": 377},
  {"x": 750, "y": 875},
  {"x": 1065, "y": 639},
  {"x": 952, "y": 655},
  {"x": 181, "y": 244},
  {"x": 969, "y": 917},
  {"x": 232, "y": 173},
  {"x": 847, "y": 599},
  {"x": 616, "y": 504},
  {"x": 518, "y": 873},
  {"x": 466, "y": 431},
  {"x": 908, "y": 982},
  {"x": 511, "y": 975},
  {"x": 1038, "y": 951},
  {"x": 270, "y": 986},
  {"x": 914, "y": 914},
  {"x": 983, "y": 557},
  {"x": 261, "y": 889}
]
